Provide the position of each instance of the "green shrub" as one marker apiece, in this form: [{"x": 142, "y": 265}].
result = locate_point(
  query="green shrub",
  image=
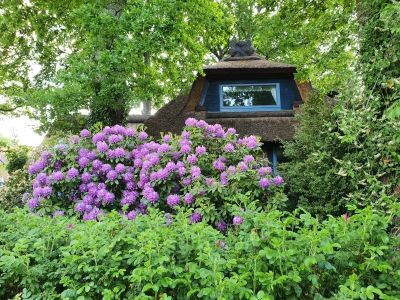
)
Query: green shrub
[
  {"x": 341, "y": 155},
  {"x": 12, "y": 193},
  {"x": 273, "y": 255},
  {"x": 17, "y": 157}
]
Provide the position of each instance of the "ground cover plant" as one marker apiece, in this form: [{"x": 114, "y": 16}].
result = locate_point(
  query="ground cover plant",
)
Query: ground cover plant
[
  {"x": 267, "y": 255},
  {"x": 206, "y": 168}
]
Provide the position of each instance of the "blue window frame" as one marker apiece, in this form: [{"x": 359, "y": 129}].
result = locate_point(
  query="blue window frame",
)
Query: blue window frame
[{"x": 250, "y": 97}]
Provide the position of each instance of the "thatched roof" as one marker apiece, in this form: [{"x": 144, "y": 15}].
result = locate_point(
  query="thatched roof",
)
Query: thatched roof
[
  {"x": 270, "y": 126},
  {"x": 253, "y": 64}
]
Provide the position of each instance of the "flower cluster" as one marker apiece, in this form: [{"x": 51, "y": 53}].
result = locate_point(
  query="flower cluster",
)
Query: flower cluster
[{"x": 121, "y": 168}]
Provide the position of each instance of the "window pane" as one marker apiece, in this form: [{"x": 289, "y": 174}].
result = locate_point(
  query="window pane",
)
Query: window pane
[{"x": 248, "y": 95}]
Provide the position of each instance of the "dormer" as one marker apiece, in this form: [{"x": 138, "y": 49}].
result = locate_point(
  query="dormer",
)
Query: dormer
[
  {"x": 247, "y": 82},
  {"x": 244, "y": 91}
]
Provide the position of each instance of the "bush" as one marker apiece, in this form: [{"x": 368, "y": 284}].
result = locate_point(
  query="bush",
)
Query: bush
[
  {"x": 272, "y": 255},
  {"x": 17, "y": 157},
  {"x": 16, "y": 188},
  {"x": 342, "y": 155},
  {"x": 206, "y": 168}
]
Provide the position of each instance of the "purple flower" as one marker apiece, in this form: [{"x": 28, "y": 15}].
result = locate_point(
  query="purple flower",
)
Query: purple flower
[
  {"x": 346, "y": 217},
  {"x": 248, "y": 159},
  {"x": 37, "y": 167},
  {"x": 42, "y": 178},
  {"x": 150, "y": 194},
  {"x": 86, "y": 177},
  {"x": 189, "y": 198},
  {"x": 222, "y": 226},
  {"x": 106, "y": 168},
  {"x": 185, "y": 148},
  {"x": 230, "y": 131},
  {"x": 72, "y": 173},
  {"x": 231, "y": 170},
  {"x": 83, "y": 188},
  {"x": 191, "y": 122},
  {"x": 195, "y": 218},
  {"x": 185, "y": 135},
  {"x": 163, "y": 148},
  {"x": 224, "y": 178},
  {"x": 85, "y": 133},
  {"x": 80, "y": 207},
  {"x": 195, "y": 172},
  {"x": 111, "y": 175},
  {"x": 83, "y": 162},
  {"x": 143, "y": 135},
  {"x": 93, "y": 214},
  {"x": 115, "y": 138},
  {"x": 98, "y": 137},
  {"x": 186, "y": 181},
  {"x": 192, "y": 159},
  {"x": 129, "y": 197},
  {"x": 166, "y": 138},
  {"x": 278, "y": 180},
  {"x": 102, "y": 147},
  {"x": 108, "y": 197},
  {"x": 173, "y": 200},
  {"x": 201, "y": 150},
  {"x": 33, "y": 203},
  {"x": 97, "y": 164},
  {"x": 229, "y": 147},
  {"x": 131, "y": 215},
  {"x": 219, "y": 165},
  {"x": 264, "y": 183},
  {"x": 181, "y": 171},
  {"x": 201, "y": 124},
  {"x": 119, "y": 168},
  {"x": 130, "y": 132},
  {"x": 237, "y": 220},
  {"x": 264, "y": 171},
  {"x": 61, "y": 147},
  {"x": 58, "y": 213},
  {"x": 209, "y": 181},
  {"x": 46, "y": 155},
  {"x": 250, "y": 142},
  {"x": 242, "y": 166}
]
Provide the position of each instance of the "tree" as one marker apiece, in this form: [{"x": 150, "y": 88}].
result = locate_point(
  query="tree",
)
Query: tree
[
  {"x": 102, "y": 55},
  {"x": 319, "y": 37},
  {"x": 351, "y": 154}
]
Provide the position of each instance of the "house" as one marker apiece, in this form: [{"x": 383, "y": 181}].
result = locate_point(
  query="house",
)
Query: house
[{"x": 244, "y": 91}]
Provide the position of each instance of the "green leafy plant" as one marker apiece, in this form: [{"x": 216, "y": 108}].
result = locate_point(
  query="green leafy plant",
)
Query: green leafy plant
[{"x": 271, "y": 255}]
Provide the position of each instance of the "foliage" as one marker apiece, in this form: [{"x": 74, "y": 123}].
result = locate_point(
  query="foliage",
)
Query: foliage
[
  {"x": 310, "y": 171},
  {"x": 351, "y": 153},
  {"x": 60, "y": 57},
  {"x": 17, "y": 157},
  {"x": 15, "y": 189},
  {"x": 271, "y": 255},
  {"x": 106, "y": 56},
  {"x": 206, "y": 167},
  {"x": 320, "y": 39}
]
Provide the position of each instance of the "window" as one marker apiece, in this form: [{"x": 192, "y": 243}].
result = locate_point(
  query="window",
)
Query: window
[
  {"x": 239, "y": 97},
  {"x": 274, "y": 153}
]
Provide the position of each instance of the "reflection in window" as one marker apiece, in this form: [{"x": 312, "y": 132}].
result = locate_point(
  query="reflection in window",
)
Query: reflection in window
[{"x": 249, "y": 95}]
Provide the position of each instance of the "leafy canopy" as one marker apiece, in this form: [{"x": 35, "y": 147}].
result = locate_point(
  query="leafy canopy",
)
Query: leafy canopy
[{"x": 102, "y": 55}]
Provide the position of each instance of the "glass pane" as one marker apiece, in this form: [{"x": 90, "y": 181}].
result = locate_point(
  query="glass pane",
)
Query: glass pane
[{"x": 248, "y": 95}]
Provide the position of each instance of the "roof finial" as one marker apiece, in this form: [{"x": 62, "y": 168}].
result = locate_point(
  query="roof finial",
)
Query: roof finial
[{"x": 241, "y": 48}]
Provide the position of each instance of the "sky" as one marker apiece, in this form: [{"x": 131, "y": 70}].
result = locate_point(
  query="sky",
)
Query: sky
[{"x": 20, "y": 129}]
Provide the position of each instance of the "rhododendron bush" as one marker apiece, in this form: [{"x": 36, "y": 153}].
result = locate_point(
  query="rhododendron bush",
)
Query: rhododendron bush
[{"x": 206, "y": 168}]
